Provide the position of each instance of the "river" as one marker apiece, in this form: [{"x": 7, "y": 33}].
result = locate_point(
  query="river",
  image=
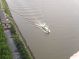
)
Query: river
[{"x": 62, "y": 19}]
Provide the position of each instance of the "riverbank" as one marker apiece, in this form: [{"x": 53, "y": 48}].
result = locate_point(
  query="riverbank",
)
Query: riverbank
[
  {"x": 5, "y": 52},
  {"x": 17, "y": 33}
]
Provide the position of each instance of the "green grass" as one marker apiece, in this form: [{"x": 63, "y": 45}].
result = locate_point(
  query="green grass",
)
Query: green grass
[
  {"x": 5, "y": 52},
  {"x": 21, "y": 48},
  {"x": 19, "y": 44},
  {"x": 5, "y": 7},
  {"x": 23, "y": 52}
]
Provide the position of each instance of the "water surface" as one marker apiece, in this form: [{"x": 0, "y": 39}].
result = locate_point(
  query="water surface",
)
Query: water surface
[{"x": 62, "y": 17}]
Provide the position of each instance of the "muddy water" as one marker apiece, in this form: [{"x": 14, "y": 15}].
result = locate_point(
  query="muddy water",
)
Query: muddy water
[{"x": 62, "y": 18}]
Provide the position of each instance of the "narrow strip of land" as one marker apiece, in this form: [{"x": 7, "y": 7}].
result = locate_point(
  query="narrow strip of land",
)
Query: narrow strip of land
[{"x": 10, "y": 41}]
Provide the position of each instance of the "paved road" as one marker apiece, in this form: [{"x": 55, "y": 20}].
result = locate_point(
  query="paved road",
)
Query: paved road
[
  {"x": 12, "y": 45},
  {"x": 62, "y": 17},
  {"x": 10, "y": 41}
]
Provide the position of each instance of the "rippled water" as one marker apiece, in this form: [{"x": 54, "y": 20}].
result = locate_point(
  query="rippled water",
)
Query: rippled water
[{"x": 60, "y": 16}]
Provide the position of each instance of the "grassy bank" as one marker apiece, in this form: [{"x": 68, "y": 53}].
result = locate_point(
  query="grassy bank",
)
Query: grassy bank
[
  {"x": 5, "y": 52},
  {"x": 5, "y": 7},
  {"x": 18, "y": 38},
  {"x": 19, "y": 44}
]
